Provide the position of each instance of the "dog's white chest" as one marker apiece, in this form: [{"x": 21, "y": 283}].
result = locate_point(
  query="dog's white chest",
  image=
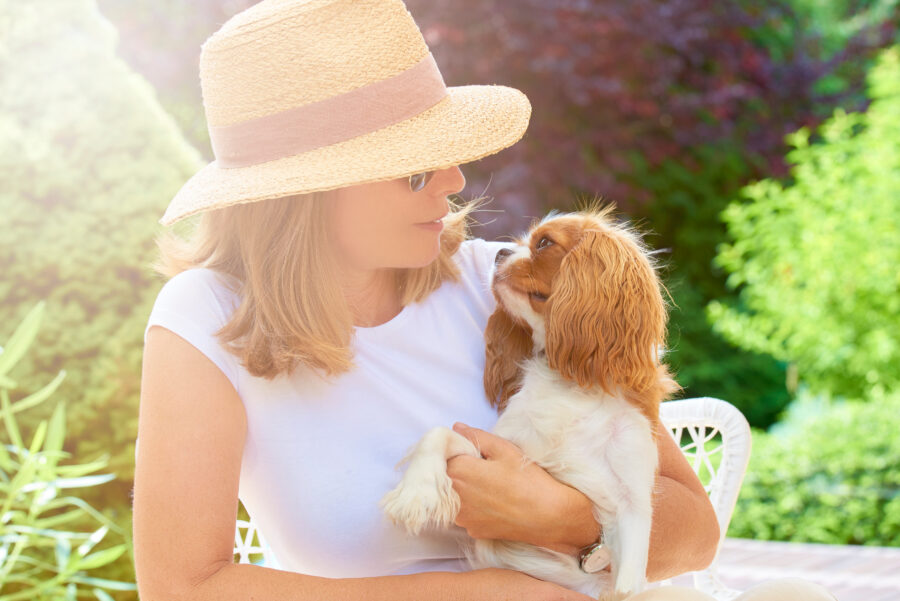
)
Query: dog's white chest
[{"x": 549, "y": 416}]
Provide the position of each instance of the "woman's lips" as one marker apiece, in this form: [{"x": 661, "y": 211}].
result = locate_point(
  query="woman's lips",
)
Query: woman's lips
[{"x": 434, "y": 226}]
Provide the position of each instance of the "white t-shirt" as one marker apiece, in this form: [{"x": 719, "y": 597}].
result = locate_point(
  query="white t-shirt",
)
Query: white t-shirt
[{"x": 319, "y": 456}]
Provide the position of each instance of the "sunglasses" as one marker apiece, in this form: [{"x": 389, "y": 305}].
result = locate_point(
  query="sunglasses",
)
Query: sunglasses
[{"x": 419, "y": 180}]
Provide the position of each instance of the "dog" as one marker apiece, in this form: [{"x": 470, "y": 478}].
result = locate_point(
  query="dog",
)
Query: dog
[{"x": 573, "y": 362}]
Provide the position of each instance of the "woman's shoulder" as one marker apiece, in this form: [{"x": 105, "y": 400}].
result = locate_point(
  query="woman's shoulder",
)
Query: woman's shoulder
[
  {"x": 198, "y": 284},
  {"x": 195, "y": 304},
  {"x": 202, "y": 277},
  {"x": 201, "y": 297}
]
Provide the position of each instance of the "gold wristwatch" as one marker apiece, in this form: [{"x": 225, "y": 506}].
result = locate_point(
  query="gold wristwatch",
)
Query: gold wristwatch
[{"x": 595, "y": 557}]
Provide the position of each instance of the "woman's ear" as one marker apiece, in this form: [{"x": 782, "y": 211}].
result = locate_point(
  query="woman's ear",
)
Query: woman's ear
[
  {"x": 507, "y": 344},
  {"x": 606, "y": 317}
]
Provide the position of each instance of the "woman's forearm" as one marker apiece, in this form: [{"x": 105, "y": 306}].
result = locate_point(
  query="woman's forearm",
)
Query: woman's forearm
[
  {"x": 244, "y": 581},
  {"x": 575, "y": 525}
]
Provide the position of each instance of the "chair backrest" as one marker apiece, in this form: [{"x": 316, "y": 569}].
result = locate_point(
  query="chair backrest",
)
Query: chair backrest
[
  {"x": 715, "y": 438},
  {"x": 713, "y": 434},
  {"x": 249, "y": 541}
]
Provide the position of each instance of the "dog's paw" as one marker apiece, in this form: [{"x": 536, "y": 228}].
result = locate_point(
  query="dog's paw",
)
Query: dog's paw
[{"x": 415, "y": 505}]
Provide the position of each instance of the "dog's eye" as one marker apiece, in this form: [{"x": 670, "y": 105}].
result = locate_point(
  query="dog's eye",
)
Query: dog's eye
[
  {"x": 538, "y": 296},
  {"x": 544, "y": 242}
]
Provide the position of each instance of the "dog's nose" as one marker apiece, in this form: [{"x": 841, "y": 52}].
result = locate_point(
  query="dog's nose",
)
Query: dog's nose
[{"x": 502, "y": 254}]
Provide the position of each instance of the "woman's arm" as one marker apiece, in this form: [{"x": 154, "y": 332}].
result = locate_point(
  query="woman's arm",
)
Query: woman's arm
[
  {"x": 191, "y": 435},
  {"x": 685, "y": 531},
  {"x": 243, "y": 581},
  {"x": 501, "y": 500}
]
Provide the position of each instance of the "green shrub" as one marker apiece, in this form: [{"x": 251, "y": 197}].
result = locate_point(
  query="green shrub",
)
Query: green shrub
[
  {"x": 816, "y": 258},
  {"x": 38, "y": 558},
  {"x": 89, "y": 161},
  {"x": 829, "y": 474}
]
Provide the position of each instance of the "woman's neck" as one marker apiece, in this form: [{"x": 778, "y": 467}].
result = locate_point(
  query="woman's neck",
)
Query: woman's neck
[{"x": 372, "y": 296}]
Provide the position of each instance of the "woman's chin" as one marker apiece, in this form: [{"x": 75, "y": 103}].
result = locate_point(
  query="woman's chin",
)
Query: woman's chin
[{"x": 423, "y": 257}]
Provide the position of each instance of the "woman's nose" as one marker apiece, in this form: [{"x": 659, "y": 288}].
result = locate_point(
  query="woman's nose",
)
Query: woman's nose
[{"x": 448, "y": 181}]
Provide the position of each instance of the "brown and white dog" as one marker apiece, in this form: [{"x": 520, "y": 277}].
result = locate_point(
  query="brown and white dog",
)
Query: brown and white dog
[{"x": 573, "y": 362}]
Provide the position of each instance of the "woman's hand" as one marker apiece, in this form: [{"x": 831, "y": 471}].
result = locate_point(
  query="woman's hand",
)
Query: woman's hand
[
  {"x": 495, "y": 583},
  {"x": 503, "y": 497}
]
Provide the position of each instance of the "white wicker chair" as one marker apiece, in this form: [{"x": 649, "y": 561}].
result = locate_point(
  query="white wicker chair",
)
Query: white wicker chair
[
  {"x": 244, "y": 545},
  {"x": 714, "y": 436}
]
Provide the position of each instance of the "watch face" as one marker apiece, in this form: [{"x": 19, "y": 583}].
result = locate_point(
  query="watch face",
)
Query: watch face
[{"x": 596, "y": 559}]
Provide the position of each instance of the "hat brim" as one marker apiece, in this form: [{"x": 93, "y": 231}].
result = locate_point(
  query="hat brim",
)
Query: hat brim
[{"x": 470, "y": 123}]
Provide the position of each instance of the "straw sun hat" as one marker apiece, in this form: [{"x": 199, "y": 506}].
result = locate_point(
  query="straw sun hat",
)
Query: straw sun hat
[{"x": 309, "y": 95}]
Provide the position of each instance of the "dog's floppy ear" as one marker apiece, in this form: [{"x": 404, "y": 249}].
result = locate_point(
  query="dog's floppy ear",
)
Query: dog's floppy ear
[
  {"x": 507, "y": 344},
  {"x": 607, "y": 319}
]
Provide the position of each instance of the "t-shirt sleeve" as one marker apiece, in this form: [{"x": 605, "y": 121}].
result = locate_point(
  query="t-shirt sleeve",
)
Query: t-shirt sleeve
[
  {"x": 483, "y": 254},
  {"x": 194, "y": 305}
]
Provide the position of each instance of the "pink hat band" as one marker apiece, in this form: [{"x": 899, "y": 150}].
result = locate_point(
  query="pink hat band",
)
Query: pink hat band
[{"x": 332, "y": 120}]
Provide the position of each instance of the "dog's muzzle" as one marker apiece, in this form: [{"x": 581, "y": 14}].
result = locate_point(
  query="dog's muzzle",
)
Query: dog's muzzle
[{"x": 502, "y": 254}]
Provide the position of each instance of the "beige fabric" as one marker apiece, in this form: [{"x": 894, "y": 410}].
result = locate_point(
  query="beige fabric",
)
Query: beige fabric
[
  {"x": 331, "y": 120},
  {"x": 671, "y": 593},
  {"x": 784, "y": 589},
  {"x": 787, "y": 589}
]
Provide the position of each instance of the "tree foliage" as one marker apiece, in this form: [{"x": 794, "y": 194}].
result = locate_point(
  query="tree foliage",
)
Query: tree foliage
[
  {"x": 89, "y": 162},
  {"x": 816, "y": 258}
]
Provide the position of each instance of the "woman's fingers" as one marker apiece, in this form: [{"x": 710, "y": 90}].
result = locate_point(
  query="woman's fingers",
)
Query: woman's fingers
[{"x": 490, "y": 445}]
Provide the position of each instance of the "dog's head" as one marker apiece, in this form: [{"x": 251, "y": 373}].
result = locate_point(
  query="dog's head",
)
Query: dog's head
[{"x": 583, "y": 289}]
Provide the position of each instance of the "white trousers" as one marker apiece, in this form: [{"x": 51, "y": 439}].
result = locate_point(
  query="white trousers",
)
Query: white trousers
[{"x": 783, "y": 589}]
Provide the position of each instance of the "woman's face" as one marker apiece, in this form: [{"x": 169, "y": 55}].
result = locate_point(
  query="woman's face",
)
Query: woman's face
[{"x": 386, "y": 225}]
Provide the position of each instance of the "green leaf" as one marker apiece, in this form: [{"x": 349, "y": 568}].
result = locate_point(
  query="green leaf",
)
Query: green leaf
[
  {"x": 38, "y": 440},
  {"x": 22, "y": 338},
  {"x": 102, "y": 595},
  {"x": 101, "y": 558},
  {"x": 23, "y": 481},
  {"x": 74, "y": 471},
  {"x": 12, "y": 428},
  {"x": 41, "y": 395},
  {"x": 6, "y": 462},
  {"x": 54, "y": 534},
  {"x": 108, "y": 584},
  {"x": 63, "y": 553},
  {"x": 56, "y": 520},
  {"x": 92, "y": 541},
  {"x": 83, "y": 481},
  {"x": 56, "y": 433},
  {"x": 63, "y": 501}
]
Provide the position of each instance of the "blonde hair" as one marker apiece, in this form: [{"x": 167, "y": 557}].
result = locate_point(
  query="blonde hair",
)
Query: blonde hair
[{"x": 291, "y": 310}]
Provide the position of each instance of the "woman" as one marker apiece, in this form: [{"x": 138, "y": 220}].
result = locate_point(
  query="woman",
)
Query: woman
[{"x": 326, "y": 312}]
